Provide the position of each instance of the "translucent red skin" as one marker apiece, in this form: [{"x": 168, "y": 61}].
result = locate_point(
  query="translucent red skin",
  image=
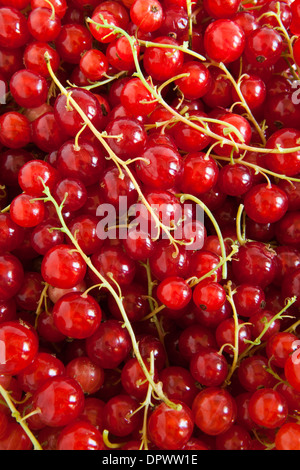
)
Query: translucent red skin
[{"x": 187, "y": 337}]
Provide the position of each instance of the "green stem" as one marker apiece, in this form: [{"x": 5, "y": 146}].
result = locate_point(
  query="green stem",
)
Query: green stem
[
  {"x": 257, "y": 341},
  {"x": 116, "y": 295},
  {"x": 185, "y": 197},
  {"x": 21, "y": 421},
  {"x": 240, "y": 145}
]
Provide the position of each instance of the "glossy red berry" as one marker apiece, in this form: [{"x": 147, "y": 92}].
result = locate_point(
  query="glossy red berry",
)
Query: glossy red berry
[
  {"x": 197, "y": 81},
  {"x": 80, "y": 435},
  {"x": 62, "y": 266},
  {"x": 93, "y": 64},
  {"x": 160, "y": 167},
  {"x": 280, "y": 346},
  {"x": 43, "y": 367},
  {"x": 288, "y": 437},
  {"x": 291, "y": 370},
  {"x": 89, "y": 375},
  {"x": 43, "y": 24},
  {"x": 263, "y": 46},
  {"x": 121, "y": 415},
  {"x": 268, "y": 408},
  {"x": 77, "y": 315},
  {"x": 235, "y": 180},
  {"x": 35, "y": 175},
  {"x": 208, "y": 367},
  {"x": 109, "y": 345},
  {"x": 163, "y": 63},
  {"x": 174, "y": 292},
  {"x": 14, "y": 28},
  {"x": 205, "y": 406},
  {"x": 254, "y": 264},
  {"x": 66, "y": 398},
  {"x": 235, "y": 438},
  {"x": 266, "y": 203},
  {"x": 170, "y": 428},
  {"x": 72, "y": 41},
  {"x": 200, "y": 173},
  {"x": 219, "y": 9},
  {"x": 28, "y": 88},
  {"x": 26, "y": 211},
  {"x": 19, "y": 346},
  {"x": 209, "y": 295},
  {"x": 15, "y": 130},
  {"x": 68, "y": 118},
  {"x": 217, "y": 44},
  {"x": 147, "y": 15}
]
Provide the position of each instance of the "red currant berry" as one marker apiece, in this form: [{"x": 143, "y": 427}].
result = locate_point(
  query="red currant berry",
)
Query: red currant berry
[
  {"x": 197, "y": 81},
  {"x": 43, "y": 367},
  {"x": 280, "y": 346},
  {"x": 174, "y": 292},
  {"x": 80, "y": 435},
  {"x": 147, "y": 15},
  {"x": 221, "y": 9},
  {"x": 15, "y": 130},
  {"x": 200, "y": 173},
  {"x": 268, "y": 408},
  {"x": 224, "y": 41},
  {"x": 121, "y": 415},
  {"x": 89, "y": 375},
  {"x": 163, "y": 63},
  {"x": 19, "y": 346},
  {"x": 26, "y": 211},
  {"x": 109, "y": 345},
  {"x": 208, "y": 367},
  {"x": 266, "y": 203},
  {"x": 66, "y": 398},
  {"x": 44, "y": 24},
  {"x": 288, "y": 437},
  {"x": 214, "y": 410},
  {"x": 14, "y": 28},
  {"x": 170, "y": 428},
  {"x": 63, "y": 267},
  {"x": 263, "y": 46},
  {"x": 35, "y": 175},
  {"x": 77, "y": 315}
]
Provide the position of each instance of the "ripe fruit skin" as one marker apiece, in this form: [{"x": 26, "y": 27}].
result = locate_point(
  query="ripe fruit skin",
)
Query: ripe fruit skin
[
  {"x": 66, "y": 398},
  {"x": 195, "y": 85},
  {"x": 170, "y": 429},
  {"x": 266, "y": 204},
  {"x": 287, "y": 437},
  {"x": 19, "y": 346},
  {"x": 200, "y": 174},
  {"x": 80, "y": 436},
  {"x": 291, "y": 370},
  {"x": 209, "y": 295},
  {"x": 149, "y": 225},
  {"x": 174, "y": 293},
  {"x": 205, "y": 407},
  {"x": 155, "y": 57},
  {"x": 254, "y": 264},
  {"x": 43, "y": 366},
  {"x": 121, "y": 415},
  {"x": 109, "y": 345},
  {"x": 208, "y": 367},
  {"x": 216, "y": 41},
  {"x": 11, "y": 276},
  {"x": 271, "y": 416},
  {"x": 63, "y": 267},
  {"x": 77, "y": 315}
]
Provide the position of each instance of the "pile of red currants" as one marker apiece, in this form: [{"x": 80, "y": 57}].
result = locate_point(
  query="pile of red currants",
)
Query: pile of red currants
[{"x": 150, "y": 225}]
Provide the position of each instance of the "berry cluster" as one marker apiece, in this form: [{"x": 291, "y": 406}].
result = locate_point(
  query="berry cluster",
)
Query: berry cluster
[{"x": 149, "y": 225}]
